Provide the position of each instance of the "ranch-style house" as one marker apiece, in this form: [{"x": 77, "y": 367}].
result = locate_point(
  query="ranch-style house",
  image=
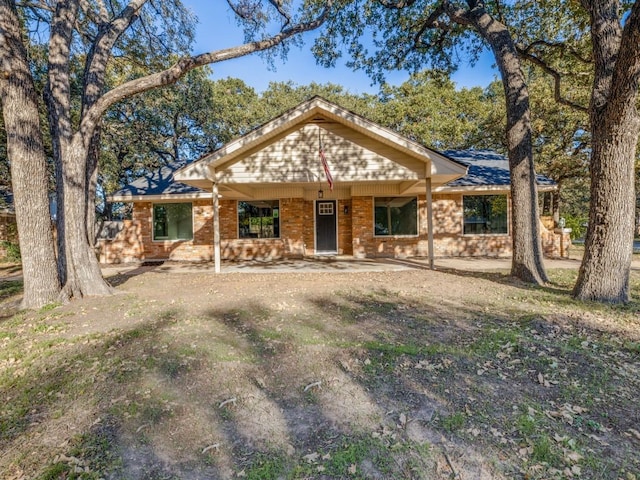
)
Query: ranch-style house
[{"x": 321, "y": 180}]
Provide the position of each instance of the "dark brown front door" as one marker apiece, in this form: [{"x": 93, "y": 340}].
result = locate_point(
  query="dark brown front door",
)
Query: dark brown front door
[{"x": 326, "y": 234}]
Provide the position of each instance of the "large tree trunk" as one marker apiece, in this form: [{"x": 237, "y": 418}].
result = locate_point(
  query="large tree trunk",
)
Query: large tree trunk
[
  {"x": 604, "y": 273},
  {"x": 84, "y": 276},
  {"x": 605, "y": 268},
  {"x": 527, "y": 261},
  {"x": 28, "y": 164}
]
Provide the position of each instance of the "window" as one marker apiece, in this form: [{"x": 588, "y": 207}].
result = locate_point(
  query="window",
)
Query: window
[
  {"x": 259, "y": 219},
  {"x": 172, "y": 221},
  {"x": 485, "y": 214},
  {"x": 396, "y": 216},
  {"x": 325, "y": 208}
]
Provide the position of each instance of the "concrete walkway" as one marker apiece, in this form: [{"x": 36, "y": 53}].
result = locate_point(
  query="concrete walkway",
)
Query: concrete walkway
[{"x": 334, "y": 264}]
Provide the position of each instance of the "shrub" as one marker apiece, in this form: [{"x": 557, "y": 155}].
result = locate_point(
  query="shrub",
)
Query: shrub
[
  {"x": 577, "y": 224},
  {"x": 12, "y": 251}
]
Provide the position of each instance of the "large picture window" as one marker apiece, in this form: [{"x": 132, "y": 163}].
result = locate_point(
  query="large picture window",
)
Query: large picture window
[
  {"x": 259, "y": 219},
  {"x": 485, "y": 214},
  {"x": 396, "y": 216},
  {"x": 172, "y": 221}
]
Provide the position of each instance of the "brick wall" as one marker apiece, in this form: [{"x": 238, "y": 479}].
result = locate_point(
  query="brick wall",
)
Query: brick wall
[
  {"x": 345, "y": 226},
  {"x": 308, "y": 228},
  {"x": 297, "y": 234},
  {"x": 292, "y": 226}
]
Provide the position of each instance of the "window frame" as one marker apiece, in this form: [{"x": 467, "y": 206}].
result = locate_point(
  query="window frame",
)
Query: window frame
[
  {"x": 278, "y": 237},
  {"x": 490, "y": 234},
  {"x": 397, "y": 235},
  {"x": 153, "y": 223}
]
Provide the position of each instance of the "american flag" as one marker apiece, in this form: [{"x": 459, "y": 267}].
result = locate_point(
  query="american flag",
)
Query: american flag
[{"x": 327, "y": 173}]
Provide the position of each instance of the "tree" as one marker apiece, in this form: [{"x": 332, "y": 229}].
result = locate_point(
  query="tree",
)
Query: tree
[
  {"x": 615, "y": 125},
  {"x": 429, "y": 109},
  {"x": 25, "y": 151},
  {"x": 410, "y": 33},
  {"x": 600, "y": 38},
  {"x": 93, "y": 25}
]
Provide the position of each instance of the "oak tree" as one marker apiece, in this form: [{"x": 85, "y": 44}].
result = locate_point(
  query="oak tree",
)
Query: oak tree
[{"x": 91, "y": 32}]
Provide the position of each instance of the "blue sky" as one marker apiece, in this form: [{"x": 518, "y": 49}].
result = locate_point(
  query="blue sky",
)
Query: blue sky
[{"x": 217, "y": 29}]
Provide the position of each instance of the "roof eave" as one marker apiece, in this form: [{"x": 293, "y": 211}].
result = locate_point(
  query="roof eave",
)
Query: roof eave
[{"x": 163, "y": 197}]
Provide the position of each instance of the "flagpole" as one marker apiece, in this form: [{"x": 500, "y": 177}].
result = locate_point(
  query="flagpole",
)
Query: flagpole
[{"x": 323, "y": 160}]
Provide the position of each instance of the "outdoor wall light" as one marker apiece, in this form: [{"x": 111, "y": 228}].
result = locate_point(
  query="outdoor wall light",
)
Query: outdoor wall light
[
  {"x": 346, "y": 209},
  {"x": 320, "y": 194}
]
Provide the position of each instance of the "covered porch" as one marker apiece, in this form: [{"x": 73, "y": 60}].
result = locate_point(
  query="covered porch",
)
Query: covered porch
[{"x": 316, "y": 181}]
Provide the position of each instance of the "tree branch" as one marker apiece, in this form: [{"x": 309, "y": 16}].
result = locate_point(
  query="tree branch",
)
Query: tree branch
[
  {"x": 186, "y": 64},
  {"x": 278, "y": 5},
  {"x": 42, "y": 5},
  {"x": 101, "y": 51},
  {"x": 58, "y": 89},
  {"x": 563, "y": 47},
  {"x": 626, "y": 74},
  {"x": 400, "y": 4},
  {"x": 557, "y": 78}
]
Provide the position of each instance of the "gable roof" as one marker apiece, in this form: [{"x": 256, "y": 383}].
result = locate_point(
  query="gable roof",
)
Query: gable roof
[
  {"x": 487, "y": 169},
  {"x": 320, "y": 111}
]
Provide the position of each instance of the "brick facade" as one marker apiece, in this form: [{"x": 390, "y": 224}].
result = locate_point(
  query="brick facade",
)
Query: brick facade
[{"x": 297, "y": 234}]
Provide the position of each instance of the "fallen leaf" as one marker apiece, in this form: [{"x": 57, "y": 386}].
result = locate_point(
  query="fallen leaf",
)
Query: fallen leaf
[
  {"x": 311, "y": 457},
  {"x": 574, "y": 457},
  {"x": 353, "y": 468},
  {"x": 635, "y": 433}
]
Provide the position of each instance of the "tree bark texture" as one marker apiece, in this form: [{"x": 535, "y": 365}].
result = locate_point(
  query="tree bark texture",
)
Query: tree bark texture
[
  {"x": 25, "y": 150},
  {"x": 527, "y": 263},
  {"x": 84, "y": 277},
  {"x": 78, "y": 263},
  {"x": 615, "y": 125}
]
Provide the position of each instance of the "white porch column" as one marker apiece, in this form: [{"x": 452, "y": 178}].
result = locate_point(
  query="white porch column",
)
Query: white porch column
[
  {"x": 216, "y": 228},
  {"x": 430, "y": 220}
]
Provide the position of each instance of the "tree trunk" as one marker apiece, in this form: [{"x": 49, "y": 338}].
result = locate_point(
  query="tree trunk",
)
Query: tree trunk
[
  {"x": 605, "y": 268},
  {"x": 527, "y": 261},
  {"x": 84, "y": 276},
  {"x": 604, "y": 272},
  {"x": 25, "y": 151}
]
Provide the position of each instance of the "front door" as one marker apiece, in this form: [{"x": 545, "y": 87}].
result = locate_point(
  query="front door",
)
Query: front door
[{"x": 326, "y": 231}]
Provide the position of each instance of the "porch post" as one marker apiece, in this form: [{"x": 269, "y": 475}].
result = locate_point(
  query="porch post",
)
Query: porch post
[
  {"x": 216, "y": 228},
  {"x": 430, "y": 220}
]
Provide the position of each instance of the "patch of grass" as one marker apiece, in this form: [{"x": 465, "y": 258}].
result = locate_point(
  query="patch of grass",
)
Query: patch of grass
[
  {"x": 266, "y": 466},
  {"x": 526, "y": 425},
  {"x": 454, "y": 422},
  {"x": 348, "y": 455},
  {"x": 91, "y": 456},
  {"x": 492, "y": 340},
  {"x": 544, "y": 451},
  {"x": 345, "y": 457},
  {"x": 393, "y": 350},
  {"x": 155, "y": 411},
  {"x": 49, "y": 306}
]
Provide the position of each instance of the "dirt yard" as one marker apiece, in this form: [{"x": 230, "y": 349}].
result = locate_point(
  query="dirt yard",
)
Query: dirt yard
[{"x": 371, "y": 375}]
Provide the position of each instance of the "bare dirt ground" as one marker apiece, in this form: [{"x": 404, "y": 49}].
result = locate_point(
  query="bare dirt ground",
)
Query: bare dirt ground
[{"x": 374, "y": 374}]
